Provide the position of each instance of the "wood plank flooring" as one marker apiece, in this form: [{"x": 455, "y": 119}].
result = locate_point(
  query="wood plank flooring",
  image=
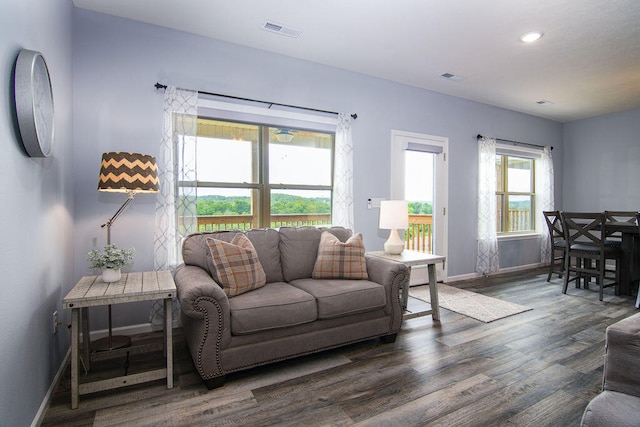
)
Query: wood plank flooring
[{"x": 538, "y": 368}]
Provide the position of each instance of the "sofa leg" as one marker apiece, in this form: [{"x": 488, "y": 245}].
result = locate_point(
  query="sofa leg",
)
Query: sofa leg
[
  {"x": 214, "y": 382},
  {"x": 388, "y": 339}
]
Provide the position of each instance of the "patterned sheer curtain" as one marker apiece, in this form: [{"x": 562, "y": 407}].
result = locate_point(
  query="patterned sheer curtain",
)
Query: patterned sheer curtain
[
  {"x": 176, "y": 214},
  {"x": 488, "y": 259},
  {"x": 544, "y": 200},
  {"x": 342, "y": 209}
]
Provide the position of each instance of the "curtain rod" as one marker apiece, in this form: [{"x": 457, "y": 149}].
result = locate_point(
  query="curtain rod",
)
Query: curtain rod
[
  {"x": 354, "y": 115},
  {"x": 515, "y": 142}
]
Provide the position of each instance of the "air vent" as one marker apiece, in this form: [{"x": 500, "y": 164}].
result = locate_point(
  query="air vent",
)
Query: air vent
[
  {"x": 544, "y": 102},
  {"x": 452, "y": 77},
  {"x": 281, "y": 29}
]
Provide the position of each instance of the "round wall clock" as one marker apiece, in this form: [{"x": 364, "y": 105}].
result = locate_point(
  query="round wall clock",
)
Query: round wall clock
[{"x": 34, "y": 103}]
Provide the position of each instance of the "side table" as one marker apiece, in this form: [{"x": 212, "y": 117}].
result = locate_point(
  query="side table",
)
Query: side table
[
  {"x": 91, "y": 291},
  {"x": 412, "y": 259}
]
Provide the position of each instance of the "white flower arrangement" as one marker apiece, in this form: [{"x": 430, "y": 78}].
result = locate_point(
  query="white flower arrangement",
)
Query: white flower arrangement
[{"x": 112, "y": 257}]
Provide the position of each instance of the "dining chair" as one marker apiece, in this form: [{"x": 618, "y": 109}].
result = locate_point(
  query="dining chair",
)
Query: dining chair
[
  {"x": 615, "y": 238},
  {"x": 558, "y": 243},
  {"x": 585, "y": 236}
]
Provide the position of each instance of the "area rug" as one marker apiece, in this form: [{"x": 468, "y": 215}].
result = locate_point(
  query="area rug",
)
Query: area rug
[{"x": 471, "y": 304}]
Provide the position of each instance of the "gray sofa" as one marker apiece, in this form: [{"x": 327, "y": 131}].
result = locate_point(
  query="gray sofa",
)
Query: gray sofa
[
  {"x": 290, "y": 316},
  {"x": 619, "y": 403}
]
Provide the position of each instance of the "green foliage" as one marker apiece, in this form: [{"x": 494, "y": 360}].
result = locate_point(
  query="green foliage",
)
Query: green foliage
[
  {"x": 280, "y": 204},
  {"x": 112, "y": 257},
  {"x": 520, "y": 205},
  {"x": 420, "y": 208}
]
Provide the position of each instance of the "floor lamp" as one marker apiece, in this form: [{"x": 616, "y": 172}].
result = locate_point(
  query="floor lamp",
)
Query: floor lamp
[{"x": 129, "y": 173}]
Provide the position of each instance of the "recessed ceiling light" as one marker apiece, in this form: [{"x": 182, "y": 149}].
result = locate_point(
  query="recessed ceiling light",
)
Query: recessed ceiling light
[
  {"x": 530, "y": 37},
  {"x": 544, "y": 102}
]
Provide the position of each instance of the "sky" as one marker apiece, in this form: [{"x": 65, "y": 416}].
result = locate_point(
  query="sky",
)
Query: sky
[{"x": 298, "y": 165}]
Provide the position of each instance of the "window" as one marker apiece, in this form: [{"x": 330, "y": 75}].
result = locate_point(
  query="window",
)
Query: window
[
  {"x": 515, "y": 195},
  {"x": 252, "y": 175}
]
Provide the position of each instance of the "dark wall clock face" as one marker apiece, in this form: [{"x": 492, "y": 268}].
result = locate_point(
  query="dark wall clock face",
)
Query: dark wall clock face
[{"x": 34, "y": 103}]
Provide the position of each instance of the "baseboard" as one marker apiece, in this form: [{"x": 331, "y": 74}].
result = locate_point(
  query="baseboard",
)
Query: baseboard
[
  {"x": 507, "y": 270},
  {"x": 42, "y": 410}
]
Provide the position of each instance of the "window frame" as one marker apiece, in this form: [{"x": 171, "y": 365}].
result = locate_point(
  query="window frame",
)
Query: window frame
[
  {"x": 262, "y": 188},
  {"x": 502, "y": 215}
]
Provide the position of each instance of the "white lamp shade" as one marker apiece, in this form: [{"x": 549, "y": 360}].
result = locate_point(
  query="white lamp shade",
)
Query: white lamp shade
[{"x": 394, "y": 214}]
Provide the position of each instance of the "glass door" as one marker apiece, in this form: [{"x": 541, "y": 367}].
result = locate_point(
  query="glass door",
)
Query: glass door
[{"x": 419, "y": 174}]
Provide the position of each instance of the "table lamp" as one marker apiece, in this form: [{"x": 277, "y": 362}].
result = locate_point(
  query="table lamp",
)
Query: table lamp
[
  {"x": 394, "y": 215},
  {"x": 129, "y": 173}
]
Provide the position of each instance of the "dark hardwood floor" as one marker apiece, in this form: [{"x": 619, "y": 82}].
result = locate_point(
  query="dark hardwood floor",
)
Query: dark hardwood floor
[{"x": 538, "y": 368}]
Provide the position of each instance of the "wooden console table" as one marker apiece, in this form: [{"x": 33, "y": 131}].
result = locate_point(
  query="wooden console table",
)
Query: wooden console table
[
  {"x": 91, "y": 291},
  {"x": 412, "y": 259}
]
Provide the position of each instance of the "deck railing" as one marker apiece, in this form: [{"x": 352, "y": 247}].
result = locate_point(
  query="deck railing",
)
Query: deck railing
[
  {"x": 245, "y": 222},
  {"x": 418, "y": 236}
]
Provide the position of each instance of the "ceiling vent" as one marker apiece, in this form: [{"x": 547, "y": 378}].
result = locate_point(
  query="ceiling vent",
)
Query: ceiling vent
[
  {"x": 452, "y": 77},
  {"x": 281, "y": 29},
  {"x": 544, "y": 102}
]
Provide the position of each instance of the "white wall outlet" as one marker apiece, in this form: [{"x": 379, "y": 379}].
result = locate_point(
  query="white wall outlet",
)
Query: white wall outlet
[{"x": 55, "y": 322}]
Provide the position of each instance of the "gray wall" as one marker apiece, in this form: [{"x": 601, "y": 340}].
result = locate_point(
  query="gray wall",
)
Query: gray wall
[
  {"x": 117, "y": 61},
  {"x": 36, "y": 219},
  {"x": 601, "y": 170}
]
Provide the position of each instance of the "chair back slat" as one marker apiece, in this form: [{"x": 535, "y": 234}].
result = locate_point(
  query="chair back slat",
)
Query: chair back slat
[
  {"x": 620, "y": 216},
  {"x": 584, "y": 228},
  {"x": 554, "y": 224}
]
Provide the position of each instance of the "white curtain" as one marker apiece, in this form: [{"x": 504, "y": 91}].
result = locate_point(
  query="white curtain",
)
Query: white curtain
[
  {"x": 176, "y": 204},
  {"x": 544, "y": 200},
  {"x": 342, "y": 209},
  {"x": 488, "y": 260}
]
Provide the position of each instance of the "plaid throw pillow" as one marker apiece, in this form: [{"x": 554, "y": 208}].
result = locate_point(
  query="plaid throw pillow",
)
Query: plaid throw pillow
[
  {"x": 337, "y": 260},
  {"x": 237, "y": 267}
]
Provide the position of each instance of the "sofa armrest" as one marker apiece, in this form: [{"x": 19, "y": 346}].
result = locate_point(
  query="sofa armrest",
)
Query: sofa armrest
[
  {"x": 392, "y": 275},
  {"x": 206, "y": 318},
  {"x": 385, "y": 271},
  {"x": 192, "y": 283},
  {"x": 622, "y": 360}
]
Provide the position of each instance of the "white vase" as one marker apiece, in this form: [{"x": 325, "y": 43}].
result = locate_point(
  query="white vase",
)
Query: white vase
[{"x": 111, "y": 275}]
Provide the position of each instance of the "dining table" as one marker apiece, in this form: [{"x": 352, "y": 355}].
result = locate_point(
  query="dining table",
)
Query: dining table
[{"x": 629, "y": 265}]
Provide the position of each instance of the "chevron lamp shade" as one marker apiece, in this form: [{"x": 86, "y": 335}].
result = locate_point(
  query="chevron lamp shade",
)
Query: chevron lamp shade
[{"x": 128, "y": 172}]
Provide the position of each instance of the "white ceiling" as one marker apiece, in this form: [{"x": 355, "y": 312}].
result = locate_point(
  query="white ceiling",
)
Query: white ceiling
[{"x": 587, "y": 63}]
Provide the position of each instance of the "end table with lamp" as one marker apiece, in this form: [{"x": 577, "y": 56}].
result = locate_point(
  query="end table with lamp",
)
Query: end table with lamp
[
  {"x": 394, "y": 215},
  {"x": 129, "y": 173}
]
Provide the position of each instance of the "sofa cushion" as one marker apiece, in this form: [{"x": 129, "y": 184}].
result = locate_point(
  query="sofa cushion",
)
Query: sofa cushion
[
  {"x": 275, "y": 305},
  {"x": 237, "y": 267},
  {"x": 340, "y": 260},
  {"x": 336, "y": 298},
  {"x": 266, "y": 241},
  {"x": 611, "y": 408},
  {"x": 299, "y": 249}
]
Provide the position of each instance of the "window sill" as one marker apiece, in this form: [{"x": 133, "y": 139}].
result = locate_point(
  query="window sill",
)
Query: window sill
[{"x": 527, "y": 236}]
